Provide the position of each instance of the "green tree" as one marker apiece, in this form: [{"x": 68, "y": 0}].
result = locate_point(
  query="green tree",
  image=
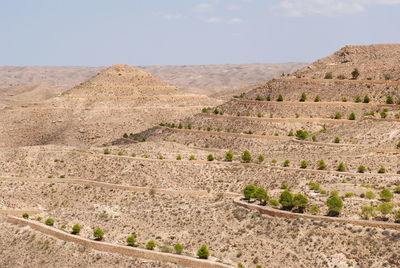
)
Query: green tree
[
  {"x": 304, "y": 164},
  {"x": 286, "y": 200},
  {"x": 385, "y": 208},
  {"x": 322, "y": 165},
  {"x": 386, "y": 195},
  {"x": 261, "y": 195},
  {"x": 98, "y": 234},
  {"x": 249, "y": 191},
  {"x": 370, "y": 195},
  {"x": 361, "y": 169},
  {"x": 151, "y": 245},
  {"x": 246, "y": 156},
  {"x": 178, "y": 248},
  {"x": 229, "y": 156},
  {"x": 335, "y": 205},
  {"x": 329, "y": 75},
  {"x": 341, "y": 167},
  {"x": 300, "y": 201},
  {"x": 286, "y": 163},
  {"x": 76, "y": 229},
  {"x": 303, "y": 97},
  {"x": 203, "y": 252},
  {"x": 352, "y": 116},
  {"x": 366, "y": 99},
  {"x": 355, "y": 74},
  {"x": 131, "y": 241},
  {"x": 301, "y": 134},
  {"x": 49, "y": 222},
  {"x": 367, "y": 212},
  {"x": 389, "y": 100}
]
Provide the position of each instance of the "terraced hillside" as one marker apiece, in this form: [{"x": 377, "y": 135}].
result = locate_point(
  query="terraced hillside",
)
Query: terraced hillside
[{"x": 180, "y": 180}]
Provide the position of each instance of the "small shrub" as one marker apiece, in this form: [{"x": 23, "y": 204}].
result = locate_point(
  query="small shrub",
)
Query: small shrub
[
  {"x": 261, "y": 195},
  {"x": 203, "y": 252},
  {"x": 381, "y": 170},
  {"x": 178, "y": 157},
  {"x": 229, "y": 156},
  {"x": 268, "y": 98},
  {"x": 385, "y": 208},
  {"x": 192, "y": 157},
  {"x": 348, "y": 195},
  {"x": 125, "y": 135},
  {"x": 300, "y": 201},
  {"x": 389, "y": 100},
  {"x": 246, "y": 157},
  {"x": 361, "y": 169},
  {"x": 210, "y": 157},
  {"x": 303, "y": 97},
  {"x": 336, "y": 140},
  {"x": 383, "y": 114},
  {"x": 258, "y": 98},
  {"x": 368, "y": 212},
  {"x": 25, "y": 216},
  {"x": 370, "y": 195},
  {"x": 286, "y": 163},
  {"x": 261, "y": 158},
  {"x": 341, "y": 77},
  {"x": 38, "y": 218},
  {"x": 314, "y": 186},
  {"x": 341, "y": 167},
  {"x": 366, "y": 99},
  {"x": 284, "y": 187},
  {"x": 344, "y": 99},
  {"x": 314, "y": 209},
  {"x": 249, "y": 191},
  {"x": 260, "y": 115},
  {"x": 106, "y": 151},
  {"x": 301, "y": 134},
  {"x": 335, "y": 205},
  {"x": 388, "y": 76},
  {"x": 329, "y": 75},
  {"x": 338, "y": 116},
  {"x": 357, "y": 99},
  {"x": 178, "y": 248},
  {"x": 274, "y": 203},
  {"x": 317, "y": 99},
  {"x": 290, "y": 134},
  {"x": 398, "y": 145},
  {"x": 386, "y": 195},
  {"x": 352, "y": 116},
  {"x": 204, "y": 110},
  {"x": 397, "y": 190},
  {"x": 304, "y": 164},
  {"x": 355, "y": 74},
  {"x": 274, "y": 161},
  {"x": 98, "y": 234},
  {"x": 131, "y": 241},
  {"x": 286, "y": 200},
  {"x": 280, "y": 98},
  {"x": 322, "y": 165},
  {"x": 76, "y": 229},
  {"x": 314, "y": 138},
  {"x": 151, "y": 245},
  {"x": 49, "y": 222}
]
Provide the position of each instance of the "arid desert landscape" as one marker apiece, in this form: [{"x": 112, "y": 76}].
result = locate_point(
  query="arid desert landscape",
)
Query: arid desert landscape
[{"x": 255, "y": 165}]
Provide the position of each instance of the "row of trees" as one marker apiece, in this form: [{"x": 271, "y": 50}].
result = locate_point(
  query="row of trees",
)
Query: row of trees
[
  {"x": 291, "y": 202},
  {"x": 98, "y": 234}
]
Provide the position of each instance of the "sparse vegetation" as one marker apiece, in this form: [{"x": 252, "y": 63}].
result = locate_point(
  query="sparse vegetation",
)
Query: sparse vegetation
[
  {"x": 98, "y": 234},
  {"x": 329, "y": 75},
  {"x": 203, "y": 252},
  {"x": 352, "y": 116},
  {"x": 304, "y": 164},
  {"x": 25, "y": 215},
  {"x": 249, "y": 191},
  {"x": 361, "y": 169},
  {"x": 246, "y": 157},
  {"x": 386, "y": 195},
  {"x": 286, "y": 200},
  {"x": 49, "y": 222},
  {"x": 335, "y": 205},
  {"x": 76, "y": 229},
  {"x": 301, "y": 134},
  {"x": 341, "y": 167},
  {"x": 178, "y": 248},
  {"x": 322, "y": 165},
  {"x": 151, "y": 244}
]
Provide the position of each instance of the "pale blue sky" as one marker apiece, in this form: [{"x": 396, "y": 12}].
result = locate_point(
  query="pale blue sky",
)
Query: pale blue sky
[{"x": 178, "y": 32}]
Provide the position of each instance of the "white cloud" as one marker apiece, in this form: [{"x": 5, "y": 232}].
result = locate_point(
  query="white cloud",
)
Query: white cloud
[
  {"x": 203, "y": 7},
  {"x": 299, "y": 8},
  {"x": 235, "y": 21},
  {"x": 214, "y": 20}
]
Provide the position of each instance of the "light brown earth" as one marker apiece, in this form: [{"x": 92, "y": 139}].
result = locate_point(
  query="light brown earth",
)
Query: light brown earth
[{"x": 60, "y": 168}]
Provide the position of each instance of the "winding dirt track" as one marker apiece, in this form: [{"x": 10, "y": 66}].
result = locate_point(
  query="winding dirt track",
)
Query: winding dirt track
[
  {"x": 290, "y": 215},
  {"x": 123, "y": 250}
]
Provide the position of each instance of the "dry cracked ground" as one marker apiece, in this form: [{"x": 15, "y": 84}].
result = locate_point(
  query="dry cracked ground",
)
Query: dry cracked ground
[{"x": 156, "y": 181}]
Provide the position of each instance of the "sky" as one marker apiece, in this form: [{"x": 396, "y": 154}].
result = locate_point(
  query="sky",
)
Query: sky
[{"x": 188, "y": 32}]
